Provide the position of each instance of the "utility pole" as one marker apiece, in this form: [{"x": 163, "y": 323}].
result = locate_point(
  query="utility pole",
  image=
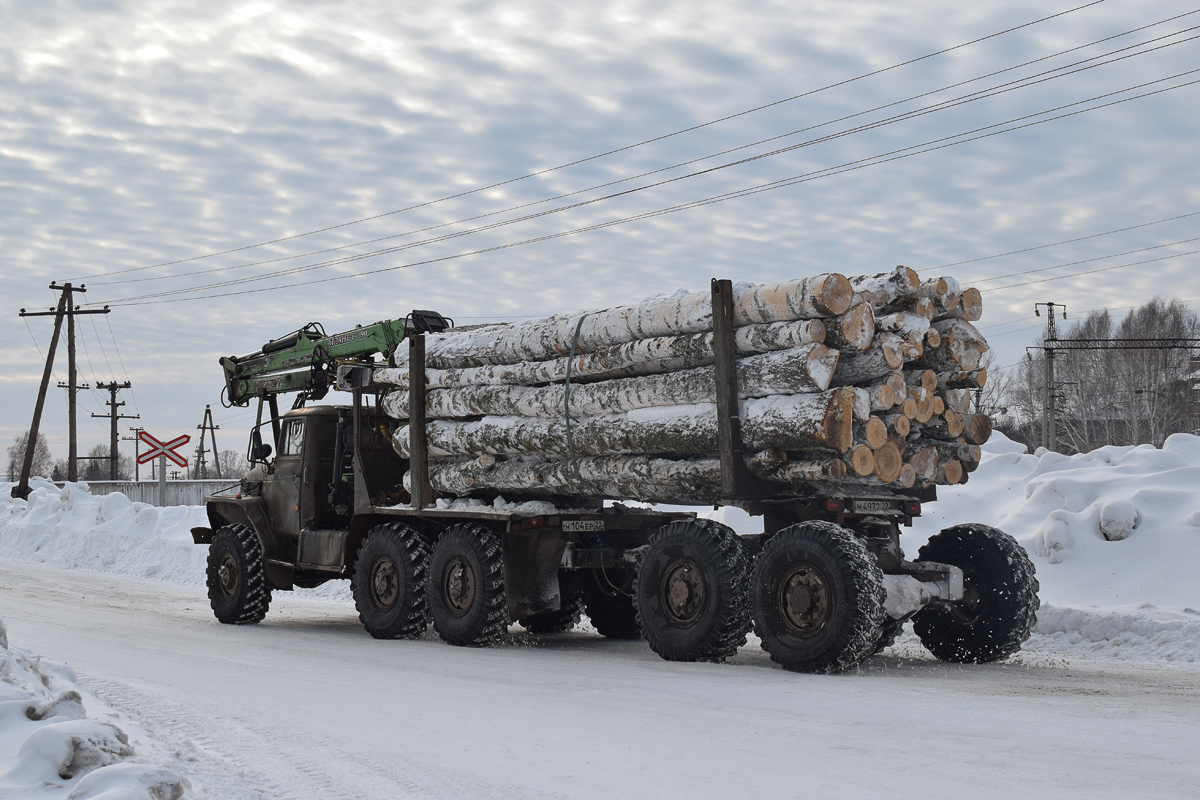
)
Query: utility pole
[
  {"x": 66, "y": 308},
  {"x": 137, "y": 448},
  {"x": 207, "y": 427},
  {"x": 112, "y": 387},
  {"x": 1049, "y": 398}
]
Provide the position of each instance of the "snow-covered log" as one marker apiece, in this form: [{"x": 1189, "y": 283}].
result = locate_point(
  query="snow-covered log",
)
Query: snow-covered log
[
  {"x": 963, "y": 347},
  {"x": 665, "y": 315},
  {"x": 879, "y": 360},
  {"x": 642, "y": 357},
  {"x": 963, "y": 379},
  {"x": 791, "y": 422},
  {"x": 969, "y": 307},
  {"x": 854, "y": 330},
  {"x": 801, "y": 369},
  {"x": 886, "y": 286}
]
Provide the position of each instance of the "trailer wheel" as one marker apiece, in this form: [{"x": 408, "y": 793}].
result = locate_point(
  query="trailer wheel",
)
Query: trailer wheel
[
  {"x": 466, "y": 586},
  {"x": 818, "y": 598},
  {"x": 236, "y": 577},
  {"x": 690, "y": 591},
  {"x": 389, "y": 580},
  {"x": 560, "y": 621},
  {"x": 1000, "y": 602},
  {"x": 611, "y": 613}
]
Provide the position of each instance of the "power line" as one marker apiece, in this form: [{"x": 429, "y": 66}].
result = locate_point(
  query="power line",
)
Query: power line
[
  {"x": 622, "y": 149},
  {"x": 121, "y": 361},
  {"x": 1087, "y": 260},
  {"x": 894, "y": 155},
  {"x": 1021, "y": 83},
  {"x": 1094, "y": 271}
]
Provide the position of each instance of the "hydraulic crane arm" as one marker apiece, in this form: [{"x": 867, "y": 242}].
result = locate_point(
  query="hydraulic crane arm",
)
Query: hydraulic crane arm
[{"x": 306, "y": 360}]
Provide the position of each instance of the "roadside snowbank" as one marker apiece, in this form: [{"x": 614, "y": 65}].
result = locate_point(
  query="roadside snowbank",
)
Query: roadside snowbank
[
  {"x": 50, "y": 748},
  {"x": 1114, "y": 534}
]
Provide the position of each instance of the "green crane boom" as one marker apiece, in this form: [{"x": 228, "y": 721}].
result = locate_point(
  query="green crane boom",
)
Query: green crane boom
[{"x": 306, "y": 360}]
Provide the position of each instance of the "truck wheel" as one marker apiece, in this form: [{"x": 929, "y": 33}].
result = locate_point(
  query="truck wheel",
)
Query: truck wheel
[
  {"x": 1000, "y": 602},
  {"x": 560, "y": 621},
  {"x": 888, "y": 633},
  {"x": 818, "y": 598},
  {"x": 690, "y": 591},
  {"x": 612, "y": 614},
  {"x": 236, "y": 577},
  {"x": 466, "y": 586},
  {"x": 388, "y": 582}
]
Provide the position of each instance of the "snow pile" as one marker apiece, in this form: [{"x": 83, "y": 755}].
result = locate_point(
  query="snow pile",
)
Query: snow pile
[
  {"x": 73, "y": 529},
  {"x": 49, "y": 748},
  {"x": 1114, "y": 534}
]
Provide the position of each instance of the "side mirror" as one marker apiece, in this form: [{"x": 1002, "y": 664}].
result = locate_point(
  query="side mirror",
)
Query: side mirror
[{"x": 258, "y": 450}]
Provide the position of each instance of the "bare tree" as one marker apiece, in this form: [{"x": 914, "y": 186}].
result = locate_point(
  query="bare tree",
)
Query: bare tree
[
  {"x": 233, "y": 464},
  {"x": 1120, "y": 397},
  {"x": 42, "y": 460}
]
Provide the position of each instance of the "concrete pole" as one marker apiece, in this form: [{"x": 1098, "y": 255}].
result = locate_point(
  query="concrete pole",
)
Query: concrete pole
[{"x": 162, "y": 481}]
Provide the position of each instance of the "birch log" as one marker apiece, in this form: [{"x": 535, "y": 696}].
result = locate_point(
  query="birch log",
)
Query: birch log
[
  {"x": 853, "y": 330},
  {"x": 792, "y": 422},
  {"x": 969, "y": 307},
  {"x": 889, "y": 460},
  {"x": 879, "y": 360},
  {"x": 887, "y": 286},
  {"x": 962, "y": 347},
  {"x": 665, "y": 315},
  {"x": 800, "y": 369},
  {"x": 654, "y": 356}
]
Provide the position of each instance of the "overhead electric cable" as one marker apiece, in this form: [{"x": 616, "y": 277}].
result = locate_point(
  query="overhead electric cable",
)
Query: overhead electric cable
[
  {"x": 1094, "y": 271},
  {"x": 1087, "y": 260},
  {"x": 894, "y": 155},
  {"x": 622, "y": 149},
  {"x": 941, "y": 106}
]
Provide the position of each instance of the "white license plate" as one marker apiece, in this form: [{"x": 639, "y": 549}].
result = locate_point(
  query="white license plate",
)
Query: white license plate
[
  {"x": 582, "y": 525},
  {"x": 872, "y": 505}
]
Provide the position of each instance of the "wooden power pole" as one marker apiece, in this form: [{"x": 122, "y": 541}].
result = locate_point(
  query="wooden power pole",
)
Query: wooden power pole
[
  {"x": 68, "y": 310},
  {"x": 112, "y": 387}
]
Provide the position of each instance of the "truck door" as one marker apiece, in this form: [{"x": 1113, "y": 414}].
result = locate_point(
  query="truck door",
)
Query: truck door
[{"x": 283, "y": 494}]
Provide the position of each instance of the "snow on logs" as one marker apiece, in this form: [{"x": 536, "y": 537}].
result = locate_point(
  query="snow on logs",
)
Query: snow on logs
[{"x": 859, "y": 381}]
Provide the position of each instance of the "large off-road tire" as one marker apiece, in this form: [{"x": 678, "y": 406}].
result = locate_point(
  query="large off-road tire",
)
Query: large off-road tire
[
  {"x": 560, "y": 621},
  {"x": 889, "y": 632},
  {"x": 817, "y": 596},
  {"x": 690, "y": 590},
  {"x": 236, "y": 576},
  {"x": 611, "y": 612},
  {"x": 466, "y": 586},
  {"x": 1000, "y": 602},
  {"x": 389, "y": 582}
]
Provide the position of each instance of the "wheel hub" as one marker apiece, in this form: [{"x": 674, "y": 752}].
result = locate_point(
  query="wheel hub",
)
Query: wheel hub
[
  {"x": 227, "y": 574},
  {"x": 458, "y": 586},
  {"x": 384, "y": 584},
  {"x": 683, "y": 591},
  {"x": 804, "y": 601}
]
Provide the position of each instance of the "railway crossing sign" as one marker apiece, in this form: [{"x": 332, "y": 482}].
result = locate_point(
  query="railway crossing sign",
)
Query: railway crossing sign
[{"x": 161, "y": 449}]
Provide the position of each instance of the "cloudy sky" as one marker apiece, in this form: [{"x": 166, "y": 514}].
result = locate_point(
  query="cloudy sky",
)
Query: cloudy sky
[{"x": 138, "y": 134}]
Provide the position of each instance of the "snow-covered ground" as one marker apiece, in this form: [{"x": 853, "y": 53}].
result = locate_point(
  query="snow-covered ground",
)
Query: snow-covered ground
[{"x": 1115, "y": 536}]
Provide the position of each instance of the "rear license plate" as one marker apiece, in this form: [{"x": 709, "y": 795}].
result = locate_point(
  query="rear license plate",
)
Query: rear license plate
[
  {"x": 582, "y": 525},
  {"x": 872, "y": 505}
]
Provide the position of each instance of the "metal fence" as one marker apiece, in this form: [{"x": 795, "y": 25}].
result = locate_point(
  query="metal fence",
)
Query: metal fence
[{"x": 179, "y": 493}]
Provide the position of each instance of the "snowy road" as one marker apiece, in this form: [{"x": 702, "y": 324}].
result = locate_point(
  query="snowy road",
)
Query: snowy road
[{"x": 306, "y": 705}]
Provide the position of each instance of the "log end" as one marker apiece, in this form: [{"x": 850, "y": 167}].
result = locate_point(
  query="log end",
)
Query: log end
[
  {"x": 908, "y": 476},
  {"x": 889, "y": 461},
  {"x": 876, "y": 433},
  {"x": 978, "y": 429},
  {"x": 834, "y": 294},
  {"x": 861, "y": 460},
  {"x": 856, "y": 328},
  {"x": 838, "y": 423}
]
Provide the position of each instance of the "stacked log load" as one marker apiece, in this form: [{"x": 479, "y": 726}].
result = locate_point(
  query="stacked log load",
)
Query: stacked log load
[{"x": 854, "y": 382}]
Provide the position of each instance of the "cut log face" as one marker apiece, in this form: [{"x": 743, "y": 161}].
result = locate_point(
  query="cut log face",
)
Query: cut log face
[
  {"x": 924, "y": 459},
  {"x": 882, "y": 397},
  {"x": 908, "y": 476},
  {"x": 968, "y": 455},
  {"x": 962, "y": 347},
  {"x": 909, "y": 408},
  {"x": 889, "y": 460},
  {"x": 958, "y": 400},
  {"x": 854, "y": 330},
  {"x": 897, "y": 425},
  {"x": 969, "y": 307},
  {"x": 949, "y": 472},
  {"x": 978, "y": 428},
  {"x": 933, "y": 339},
  {"x": 898, "y": 386},
  {"x": 927, "y": 379},
  {"x": 861, "y": 460},
  {"x": 873, "y": 432},
  {"x": 917, "y": 305}
]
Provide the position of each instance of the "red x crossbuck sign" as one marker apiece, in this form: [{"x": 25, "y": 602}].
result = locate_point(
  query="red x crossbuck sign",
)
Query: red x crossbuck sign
[{"x": 158, "y": 448}]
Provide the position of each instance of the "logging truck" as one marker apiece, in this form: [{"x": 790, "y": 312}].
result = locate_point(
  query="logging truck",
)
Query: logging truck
[{"x": 345, "y": 491}]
